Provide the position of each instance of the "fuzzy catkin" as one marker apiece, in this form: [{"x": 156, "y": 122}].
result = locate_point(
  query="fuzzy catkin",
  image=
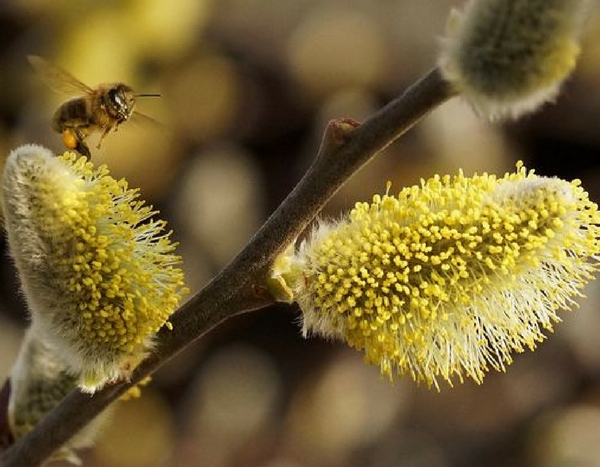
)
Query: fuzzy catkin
[
  {"x": 39, "y": 382},
  {"x": 507, "y": 57},
  {"x": 98, "y": 272},
  {"x": 449, "y": 278}
]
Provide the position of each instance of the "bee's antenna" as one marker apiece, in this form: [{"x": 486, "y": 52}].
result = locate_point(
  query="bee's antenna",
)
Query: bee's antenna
[{"x": 147, "y": 95}]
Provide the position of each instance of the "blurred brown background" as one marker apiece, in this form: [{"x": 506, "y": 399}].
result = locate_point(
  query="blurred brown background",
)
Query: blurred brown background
[{"x": 247, "y": 89}]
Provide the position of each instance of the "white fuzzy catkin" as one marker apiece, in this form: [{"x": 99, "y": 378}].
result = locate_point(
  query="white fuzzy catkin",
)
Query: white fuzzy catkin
[{"x": 508, "y": 57}]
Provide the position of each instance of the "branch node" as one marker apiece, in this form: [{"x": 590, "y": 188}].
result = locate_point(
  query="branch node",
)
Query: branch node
[{"x": 337, "y": 134}]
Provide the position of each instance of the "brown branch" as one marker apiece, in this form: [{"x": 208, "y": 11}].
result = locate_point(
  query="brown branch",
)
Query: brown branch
[{"x": 346, "y": 147}]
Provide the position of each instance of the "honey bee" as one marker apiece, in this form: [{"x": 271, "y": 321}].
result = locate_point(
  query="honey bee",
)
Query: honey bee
[{"x": 102, "y": 108}]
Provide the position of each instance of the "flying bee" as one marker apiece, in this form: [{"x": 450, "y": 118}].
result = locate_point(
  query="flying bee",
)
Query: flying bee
[{"x": 102, "y": 108}]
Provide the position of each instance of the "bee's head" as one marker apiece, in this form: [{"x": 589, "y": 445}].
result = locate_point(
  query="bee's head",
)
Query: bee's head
[{"x": 119, "y": 101}]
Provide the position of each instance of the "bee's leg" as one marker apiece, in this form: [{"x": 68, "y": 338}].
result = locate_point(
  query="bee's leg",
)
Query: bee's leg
[
  {"x": 73, "y": 139},
  {"x": 102, "y": 136},
  {"x": 83, "y": 149}
]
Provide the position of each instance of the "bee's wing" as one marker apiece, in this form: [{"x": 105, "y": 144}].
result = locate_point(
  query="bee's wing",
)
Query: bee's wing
[
  {"x": 58, "y": 79},
  {"x": 140, "y": 118}
]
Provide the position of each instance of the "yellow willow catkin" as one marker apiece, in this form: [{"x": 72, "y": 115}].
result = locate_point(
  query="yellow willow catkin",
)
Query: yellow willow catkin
[
  {"x": 507, "y": 57},
  {"x": 98, "y": 272},
  {"x": 449, "y": 278}
]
